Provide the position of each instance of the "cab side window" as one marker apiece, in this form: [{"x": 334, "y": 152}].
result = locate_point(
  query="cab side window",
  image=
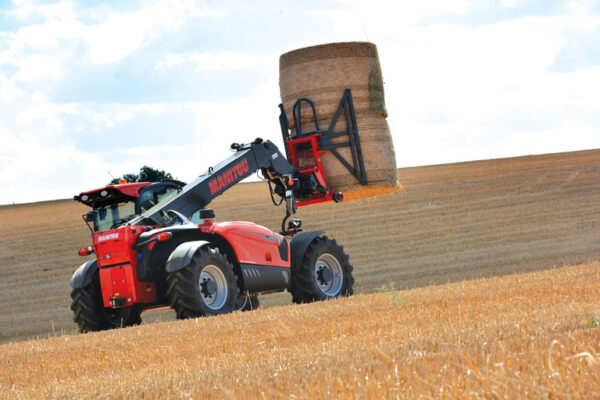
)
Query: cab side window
[{"x": 154, "y": 195}]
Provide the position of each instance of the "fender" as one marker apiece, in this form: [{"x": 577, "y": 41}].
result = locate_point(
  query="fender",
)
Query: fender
[
  {"x": 182, "y": 255},
  {"x": 299, "y": 245},
  {"x": 151, "y": 266},
  {"x": 84, "y": 274}
]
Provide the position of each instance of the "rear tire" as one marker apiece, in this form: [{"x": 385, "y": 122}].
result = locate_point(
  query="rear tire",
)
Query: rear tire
[
  {"x": 206, "y": 286},
  {"x": 324, "y": 273},
  {"x": 91, "y": 316}
]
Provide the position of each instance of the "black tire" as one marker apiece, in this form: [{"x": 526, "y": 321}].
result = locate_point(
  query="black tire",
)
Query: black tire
[
  {"x": 191, "y": 293},
  {"x": 324, "y": 273},
  {"x": 247, "y": 303},
  {"x": 90, "y": 315}
]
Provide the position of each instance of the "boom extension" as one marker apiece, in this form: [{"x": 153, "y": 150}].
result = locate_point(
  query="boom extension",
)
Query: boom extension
[{"x": 248, "y": 158}]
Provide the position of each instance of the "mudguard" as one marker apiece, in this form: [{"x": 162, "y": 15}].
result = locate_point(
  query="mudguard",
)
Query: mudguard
[
  {"x": 182, "y": 255},
  {"x": 299, "y": 245},
  {"x": 84, "y": 274}
]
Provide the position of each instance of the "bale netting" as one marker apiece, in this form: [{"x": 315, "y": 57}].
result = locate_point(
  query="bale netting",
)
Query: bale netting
[
  {"x": 378, "y": 155},
  {"x": 321, "y": 73}
]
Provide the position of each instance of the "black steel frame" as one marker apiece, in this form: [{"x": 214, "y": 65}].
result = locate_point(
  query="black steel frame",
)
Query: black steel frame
[{"x": 357, "y": 168}]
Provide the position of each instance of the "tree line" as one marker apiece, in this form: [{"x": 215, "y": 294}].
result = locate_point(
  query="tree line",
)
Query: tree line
[{"x": 147, "y": 174}]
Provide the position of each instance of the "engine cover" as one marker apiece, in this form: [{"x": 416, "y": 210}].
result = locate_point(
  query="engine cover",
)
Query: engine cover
[{"x": 255, "y": 244}]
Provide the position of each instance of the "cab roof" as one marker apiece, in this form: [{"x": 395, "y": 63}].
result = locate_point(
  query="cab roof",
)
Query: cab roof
[{"x": 111, "y": 192}]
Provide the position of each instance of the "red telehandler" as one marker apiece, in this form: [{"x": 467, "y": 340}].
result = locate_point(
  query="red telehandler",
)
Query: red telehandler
[{"x": 156, "y": 244}]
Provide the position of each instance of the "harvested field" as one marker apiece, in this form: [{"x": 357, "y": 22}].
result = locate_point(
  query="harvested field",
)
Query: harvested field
[
  {"x": 531, "y": 335},
  {"x": 452, "y": 222}
]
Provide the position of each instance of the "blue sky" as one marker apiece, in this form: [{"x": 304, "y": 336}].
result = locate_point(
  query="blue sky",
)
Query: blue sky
[{"x": 88, "y": 88}]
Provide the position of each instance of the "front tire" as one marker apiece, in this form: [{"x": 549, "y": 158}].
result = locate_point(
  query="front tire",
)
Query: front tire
[
  {"x": 324, "y": 273},
  {"x": 91, "y": 316},
  {"x": 206, "y": 286}
]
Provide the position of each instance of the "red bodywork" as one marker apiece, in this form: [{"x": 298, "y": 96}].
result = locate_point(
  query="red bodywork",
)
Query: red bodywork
[
  {"x": 307, "y": 162},
  {"x": 252, "y": 244},
  {"x": 117, "y": 262},
  {"x": 128, "y": 189}
]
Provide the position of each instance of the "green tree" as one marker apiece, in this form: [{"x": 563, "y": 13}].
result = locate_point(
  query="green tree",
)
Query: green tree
[{"x": 147, "y": 174}]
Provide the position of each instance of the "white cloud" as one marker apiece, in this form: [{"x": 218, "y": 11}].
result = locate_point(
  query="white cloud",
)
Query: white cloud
[
  {"x": 172, "y": 60},
  {"x": 36, "y": 67},
  {"x": 35, "y": 171},
  {"x": 376, "y": 19},
  {"x": 511, "y": 3},
  {"x": 128, "y": 112},
  {"x": 457, "y": 92},
  {"x": 8, "y": 91},
  {"x": 454, "y": 91},
  {"x": 44, "y": 111},
  {"x": 119, "y": 35},
  {"x": 113, "y": 38},
  {"x": 103, "y": 120},
  {"x": 490, "y": 82},
  {"x": 9, "y": 140},
  {"x": 580, "y": 7},
  {"x": 60, "y": 10},
  {"x": 226, "y": 60}
]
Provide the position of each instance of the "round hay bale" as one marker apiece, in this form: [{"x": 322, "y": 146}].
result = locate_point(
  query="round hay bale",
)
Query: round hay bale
[
  {"x": 321, "y": 73},
  {"x": 378, "y": 155}
]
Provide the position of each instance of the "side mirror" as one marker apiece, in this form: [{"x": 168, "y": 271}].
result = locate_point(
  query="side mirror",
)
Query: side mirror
[{"x": 91, "y": 216}]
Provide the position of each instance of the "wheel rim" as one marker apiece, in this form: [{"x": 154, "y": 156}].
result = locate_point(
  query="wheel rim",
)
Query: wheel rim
[
  {"x": 213, "y": 287},
  {"x": 329, "y": 274}
]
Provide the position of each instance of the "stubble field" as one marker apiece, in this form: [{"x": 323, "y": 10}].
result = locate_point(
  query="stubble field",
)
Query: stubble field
[
  {"x": 527, "y": 334},
  {"x": 518, "y": 336}
]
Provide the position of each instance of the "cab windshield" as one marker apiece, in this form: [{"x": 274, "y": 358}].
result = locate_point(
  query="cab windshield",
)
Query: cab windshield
[{"x": 113, "y": 215}]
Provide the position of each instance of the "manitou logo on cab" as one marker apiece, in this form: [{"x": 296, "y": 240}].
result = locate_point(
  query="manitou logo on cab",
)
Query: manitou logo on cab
[
  {"x": 108, "y": 237},
  {"x": 228, "y": 177}
]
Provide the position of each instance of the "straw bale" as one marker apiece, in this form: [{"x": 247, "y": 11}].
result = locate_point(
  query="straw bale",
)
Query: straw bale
[{"x": 322, "y": 73}]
